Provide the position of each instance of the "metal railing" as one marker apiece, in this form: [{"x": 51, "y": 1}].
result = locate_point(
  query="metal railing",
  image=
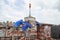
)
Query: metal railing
[
  {"x": 18, "y": 38},
  {"x": 5, "y": 38}
]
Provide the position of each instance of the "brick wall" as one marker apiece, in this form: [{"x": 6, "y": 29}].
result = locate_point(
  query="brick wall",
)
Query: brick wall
[{"x": 43, "y": 33}]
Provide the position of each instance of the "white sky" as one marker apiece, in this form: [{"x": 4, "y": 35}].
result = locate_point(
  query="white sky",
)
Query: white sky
[{"x": 45, "y": 11}]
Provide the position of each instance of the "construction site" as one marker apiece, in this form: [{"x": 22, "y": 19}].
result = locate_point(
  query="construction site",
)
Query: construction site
[{"x": 41, "y": 32}]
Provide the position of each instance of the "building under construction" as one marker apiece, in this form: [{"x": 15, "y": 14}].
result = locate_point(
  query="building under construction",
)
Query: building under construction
[{"x": 41, "y": 32}]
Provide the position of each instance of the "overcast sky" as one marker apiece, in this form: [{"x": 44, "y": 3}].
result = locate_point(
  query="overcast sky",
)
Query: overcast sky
[{"x": 45, "y": 11}]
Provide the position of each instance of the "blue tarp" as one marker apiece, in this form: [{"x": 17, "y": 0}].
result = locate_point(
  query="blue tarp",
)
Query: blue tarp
[
  {"x": 26, "y": 26},
  {"x": 18, "y": 23},
  {"x": 37, "y": 23}
]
